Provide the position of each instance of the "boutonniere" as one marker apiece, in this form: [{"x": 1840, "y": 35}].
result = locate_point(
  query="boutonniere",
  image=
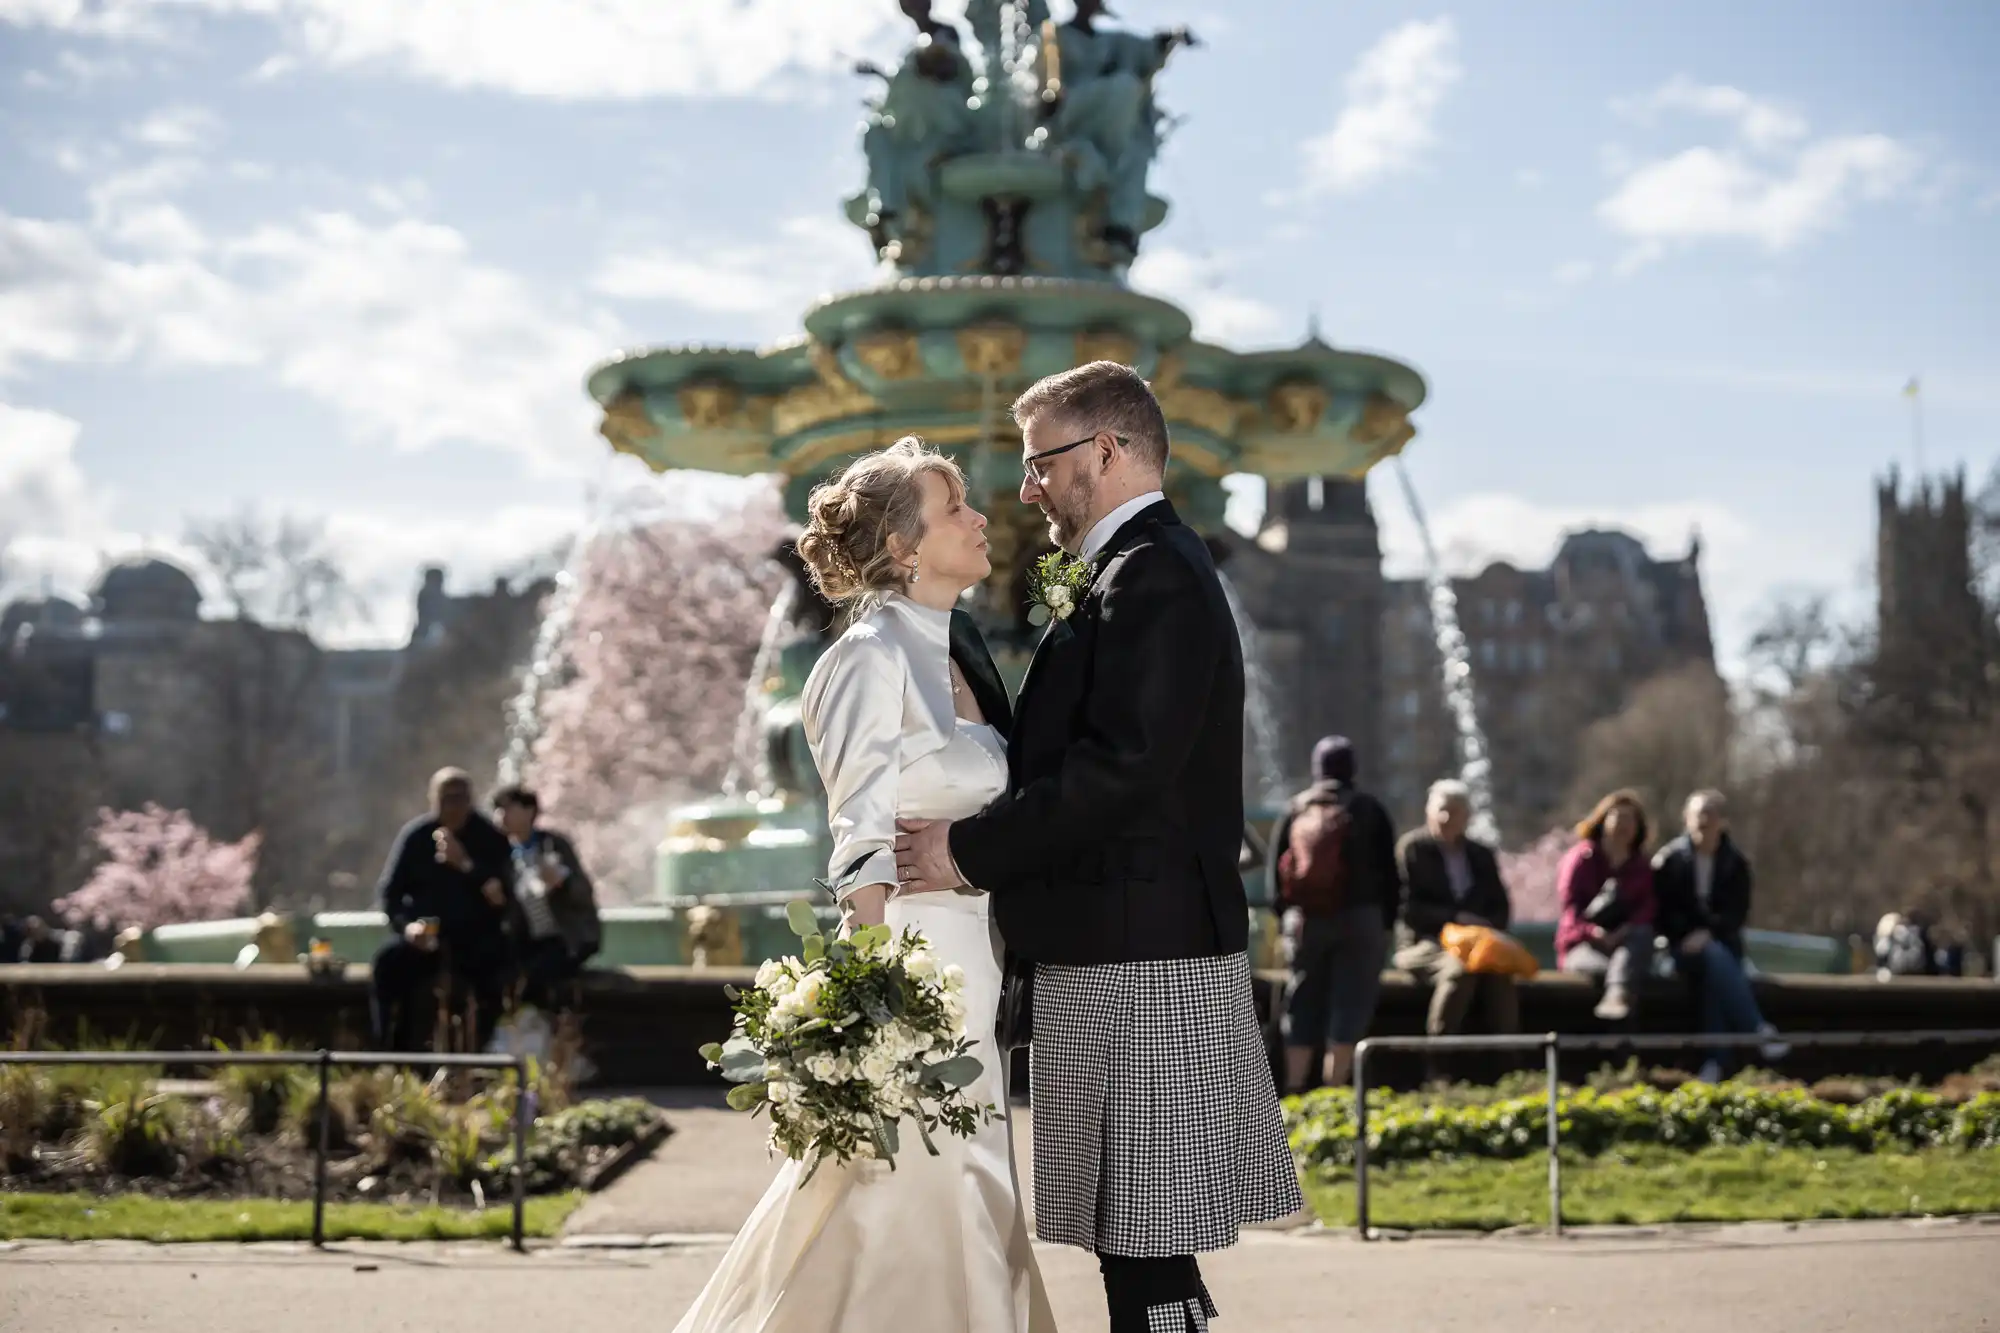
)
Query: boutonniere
[{"x": 1056, "y": 587}]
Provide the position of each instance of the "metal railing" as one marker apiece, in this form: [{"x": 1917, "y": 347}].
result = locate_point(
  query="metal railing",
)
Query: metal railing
[
  {"x": 325, "y": 1061},
  {"x": 1554, "y": 1044}
]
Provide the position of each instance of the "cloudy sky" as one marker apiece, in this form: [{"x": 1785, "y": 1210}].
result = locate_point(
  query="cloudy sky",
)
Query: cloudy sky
[{"x": 1666, "y": 263}]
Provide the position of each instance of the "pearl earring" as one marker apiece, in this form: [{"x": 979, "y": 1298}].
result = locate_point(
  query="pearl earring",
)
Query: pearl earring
[{"x": 915, "y": 556}]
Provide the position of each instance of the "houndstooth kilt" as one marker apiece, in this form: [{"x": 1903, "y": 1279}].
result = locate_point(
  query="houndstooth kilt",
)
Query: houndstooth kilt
[{"x": 1157, "y": 1129}]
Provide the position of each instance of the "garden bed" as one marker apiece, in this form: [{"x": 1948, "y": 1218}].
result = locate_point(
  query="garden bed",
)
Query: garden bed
[
  {"x": 395, "y": 1136},
  {"x": 1651, "y": 1147}
]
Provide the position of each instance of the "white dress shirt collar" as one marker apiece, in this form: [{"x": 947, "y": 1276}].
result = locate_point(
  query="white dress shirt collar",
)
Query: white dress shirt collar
[{"x": 1107, "y": 527}]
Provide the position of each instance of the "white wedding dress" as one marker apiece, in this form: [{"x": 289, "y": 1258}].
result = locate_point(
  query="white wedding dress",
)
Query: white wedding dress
[{"x": 939, "y": 1245}]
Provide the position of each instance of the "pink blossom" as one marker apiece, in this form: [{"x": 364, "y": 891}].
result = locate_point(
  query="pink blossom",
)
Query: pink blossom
[
  {"x": 665, "y": 628},
  {"x": 1530, "y": 875},
  {"x": 161, "y": 868}
]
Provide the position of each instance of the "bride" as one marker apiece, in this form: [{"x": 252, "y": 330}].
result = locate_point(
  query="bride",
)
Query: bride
[{"x": 905, "y": 715}]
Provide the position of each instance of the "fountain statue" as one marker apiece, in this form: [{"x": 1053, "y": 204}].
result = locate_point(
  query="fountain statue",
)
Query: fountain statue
[{"x": 1006, "y": 196}]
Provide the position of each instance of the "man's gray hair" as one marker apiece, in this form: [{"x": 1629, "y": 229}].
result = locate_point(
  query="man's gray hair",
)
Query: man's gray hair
[
  {"x": 1708, "y": 798},
  {"x": 1449, "y": 791},
  {"x": 1101, "y": 396}
]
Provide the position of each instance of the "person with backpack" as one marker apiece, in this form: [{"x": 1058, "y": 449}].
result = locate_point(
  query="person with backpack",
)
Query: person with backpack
[{"x": 1333, "y": 876}]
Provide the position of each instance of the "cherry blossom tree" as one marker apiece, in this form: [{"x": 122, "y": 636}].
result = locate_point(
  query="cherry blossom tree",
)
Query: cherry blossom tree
[
  {"x": 160, "y": 868},
  {"x": 1530, "y": 875},
  {"x": 664, "y": 629}
]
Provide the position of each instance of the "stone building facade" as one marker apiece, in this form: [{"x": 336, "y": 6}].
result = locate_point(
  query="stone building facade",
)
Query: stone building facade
[
  {"x": 138, "y": 698},
  {"x": 1346, "y": 650}
]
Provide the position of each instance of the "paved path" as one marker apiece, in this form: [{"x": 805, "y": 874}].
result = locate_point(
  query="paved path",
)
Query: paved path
[{"x": 1811, "y": 1280}]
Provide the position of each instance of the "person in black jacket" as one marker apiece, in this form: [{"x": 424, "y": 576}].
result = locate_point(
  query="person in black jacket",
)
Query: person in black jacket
[
  {"x": 1111, "y": 864},
  {"x": 1701, "y": 885},
  {"x": 445, "y": 893},
  {"x": 1337, "y": 956},
  {"x": 555, "y": 924},
  {"x": 1450, "y": 877}
]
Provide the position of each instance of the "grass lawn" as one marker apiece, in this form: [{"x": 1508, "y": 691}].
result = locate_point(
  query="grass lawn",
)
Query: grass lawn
[
  {"x": 1656, "y": 1184},
  {"x": 141, "y": 1217}
]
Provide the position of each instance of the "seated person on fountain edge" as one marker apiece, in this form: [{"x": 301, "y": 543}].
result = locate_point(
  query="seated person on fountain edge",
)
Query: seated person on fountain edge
[
  {"x": 1449, "y": 876},
  {"x": 445, "y": 892},
  {"x": 1702, "y": 883},
  {"x": 555, "y": 923}
]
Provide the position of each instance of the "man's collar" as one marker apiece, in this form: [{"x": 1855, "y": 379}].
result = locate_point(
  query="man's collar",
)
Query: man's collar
[{"x": 1107, "y": 527}]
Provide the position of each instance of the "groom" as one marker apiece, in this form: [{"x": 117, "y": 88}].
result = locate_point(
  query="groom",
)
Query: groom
[{"x": 1112, "y": 864}]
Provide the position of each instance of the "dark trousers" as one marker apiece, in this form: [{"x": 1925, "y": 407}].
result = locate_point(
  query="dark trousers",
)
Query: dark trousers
[
  {"x": 546, "y": 964},
  {"x": 1149, "y": 1295},
  {"x": 403, "y": 996}
]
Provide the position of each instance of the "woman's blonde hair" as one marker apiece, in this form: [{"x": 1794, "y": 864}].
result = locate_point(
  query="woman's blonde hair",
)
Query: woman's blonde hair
[{"x": 850, "y": 519}]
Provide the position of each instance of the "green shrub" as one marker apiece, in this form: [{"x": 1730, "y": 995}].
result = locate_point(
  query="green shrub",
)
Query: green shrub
[
  {"x": 263, "y": 1092},
  {"x": 556, "y": 1143},
  {"x": 408, "y": 1119},
  {"x": 133, "y": 1135},
  {"x": 1694, "y": 1115},
  {"x": 24, "y": 1105}
]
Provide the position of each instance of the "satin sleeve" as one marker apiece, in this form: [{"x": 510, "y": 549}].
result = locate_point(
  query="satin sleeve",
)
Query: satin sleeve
[{"x": 854, "y": 724}]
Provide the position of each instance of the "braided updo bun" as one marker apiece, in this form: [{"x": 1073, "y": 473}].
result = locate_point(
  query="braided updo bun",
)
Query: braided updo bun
[{"x": 850, "y": 520}]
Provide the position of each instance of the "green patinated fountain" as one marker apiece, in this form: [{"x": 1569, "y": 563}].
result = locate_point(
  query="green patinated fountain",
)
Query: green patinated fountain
[{"x": 1006, "y": 199}]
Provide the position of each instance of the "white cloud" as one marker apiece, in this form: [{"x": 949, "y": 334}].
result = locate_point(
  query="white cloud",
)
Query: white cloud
[
  {"x": 1761, "y": 124},
  {"x": 131, "y": 207},
  {"x": 1200, "y": 285},
  {"x": 178, "y": 127},
  {"x": 53, "y": 524},
  {"x": 397, "y": 328},
  {"x": 1393, "y": 96},
  {"x": 1771, "y": 184},
  {"x": 576, "y": 49},
  {"x": 1573, "y": 271},
  {"x": 774, "y": 277}
]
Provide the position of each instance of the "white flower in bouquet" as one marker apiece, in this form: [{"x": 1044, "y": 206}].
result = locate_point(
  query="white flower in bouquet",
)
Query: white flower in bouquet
[
  {"x": 811, "y": 989},
  {"x": 850, "y": 1040}
]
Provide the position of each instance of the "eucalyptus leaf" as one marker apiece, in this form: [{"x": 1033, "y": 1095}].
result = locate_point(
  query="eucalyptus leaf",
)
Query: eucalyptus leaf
[
  {"x": 815, "y": 948},
  {"x": 712, "y": 1052},
  {"x": 731, "y": 991},
  {"x": 743, "y": 1066},
  {"x": 748, "y": 1096},
  {"x": 1038, "y": 614},
  {"x": 800, "y": 916},
  {"x": 956, "y": 1072}
]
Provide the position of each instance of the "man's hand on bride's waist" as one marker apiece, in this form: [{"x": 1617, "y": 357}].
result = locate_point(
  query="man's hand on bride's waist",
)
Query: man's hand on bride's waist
[{"x": 923, "y": 857}]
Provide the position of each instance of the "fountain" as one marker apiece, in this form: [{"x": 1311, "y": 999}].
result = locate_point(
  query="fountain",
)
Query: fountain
[
  {"x": 1264, "y": 774},
  {"x": 1006, "y": 206},
  {"x": 1475, "y": 764}
]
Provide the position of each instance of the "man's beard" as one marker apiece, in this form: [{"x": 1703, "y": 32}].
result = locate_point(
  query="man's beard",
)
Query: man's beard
[{"x": 1069, "y": 512}]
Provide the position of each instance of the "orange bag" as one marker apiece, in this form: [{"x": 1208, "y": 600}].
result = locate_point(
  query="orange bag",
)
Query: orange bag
[{"x": 1487, "y": 951}]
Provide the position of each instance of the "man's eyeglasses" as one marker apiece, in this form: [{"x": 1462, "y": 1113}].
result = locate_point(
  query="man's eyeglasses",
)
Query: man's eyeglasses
[{"x": 1031, "y": 465}]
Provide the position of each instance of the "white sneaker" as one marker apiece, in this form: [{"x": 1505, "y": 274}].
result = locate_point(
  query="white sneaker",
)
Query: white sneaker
[
  {"x": 1614, "y": 1007},
  {"x": 1772, "y": 1050},
  {"x": 1710, "y": 1072}
]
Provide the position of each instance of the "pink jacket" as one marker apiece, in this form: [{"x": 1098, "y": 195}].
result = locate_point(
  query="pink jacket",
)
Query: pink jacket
[{"x": 1585, "y": 869}]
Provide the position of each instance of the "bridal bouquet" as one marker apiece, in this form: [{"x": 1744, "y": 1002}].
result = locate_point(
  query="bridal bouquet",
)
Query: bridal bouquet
[{"x": 848, "y": 1040}]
